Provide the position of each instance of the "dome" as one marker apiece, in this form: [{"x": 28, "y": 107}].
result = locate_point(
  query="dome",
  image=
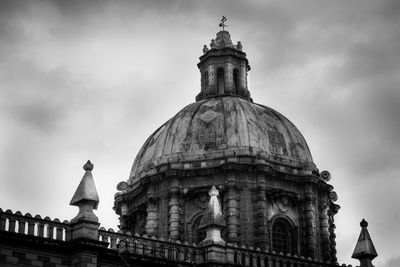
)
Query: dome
[{"x": 213, "y": 129}]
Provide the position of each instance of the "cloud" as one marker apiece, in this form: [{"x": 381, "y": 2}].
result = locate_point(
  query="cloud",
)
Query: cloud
[
  {"x": 92, "y": 79},
  {"x": 392, "y": 262},
  {"x": 36, "y": 98}
]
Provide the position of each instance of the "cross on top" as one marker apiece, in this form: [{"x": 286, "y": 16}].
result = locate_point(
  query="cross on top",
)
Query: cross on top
[{"x": 222, "y": 24}]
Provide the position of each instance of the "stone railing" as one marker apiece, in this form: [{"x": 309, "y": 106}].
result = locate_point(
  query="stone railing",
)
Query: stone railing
[
  {"x": 248, "y": 256},
  {"x": 34, "y": 226},
  {"x": 150, "y": 247},
  {"x": 193, "y": 254}
]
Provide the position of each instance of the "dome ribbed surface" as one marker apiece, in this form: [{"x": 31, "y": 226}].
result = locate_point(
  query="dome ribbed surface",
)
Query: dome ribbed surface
[{"x": 225, "y": 125}]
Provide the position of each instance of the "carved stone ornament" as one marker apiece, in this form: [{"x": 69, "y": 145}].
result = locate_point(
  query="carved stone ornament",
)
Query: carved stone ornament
[
  {"x": 201, "y": 201},
  {"x": 325, "y": 175},
  {"x": 333, "y": 196},
  {"x": 282, "y": 204},
  {"x": 122, "y": 186}
]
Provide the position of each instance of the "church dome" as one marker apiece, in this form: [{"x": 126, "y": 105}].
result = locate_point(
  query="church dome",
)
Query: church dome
[
  {"x": 208, "y": 132},
  {"x": 223, "y": 125}
]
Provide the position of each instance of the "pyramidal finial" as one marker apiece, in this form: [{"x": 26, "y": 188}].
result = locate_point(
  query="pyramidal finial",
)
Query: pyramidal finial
[
  {"x": 213, "y": 220},
  {"x": 364, "y": 251},
  {"x": 86, "y": 191}
]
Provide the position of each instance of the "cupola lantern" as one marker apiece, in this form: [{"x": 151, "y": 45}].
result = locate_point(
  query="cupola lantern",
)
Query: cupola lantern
[{"x": 223, "y": 68}]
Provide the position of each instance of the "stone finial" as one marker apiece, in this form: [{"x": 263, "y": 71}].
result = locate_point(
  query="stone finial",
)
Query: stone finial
[
  {"x": 239, "y": 46},
  {"x": 364, "y": 223},
  {"x": 205, "y": 49},
  {"x": 212, "y": 44},
  {"x": 86, "y": 197},
  {"x": 213, "y": 219},
  {"x": 88, "y": 166},
  {"x": 364, "y": 251},
  {"x": 223, "y": 40}
]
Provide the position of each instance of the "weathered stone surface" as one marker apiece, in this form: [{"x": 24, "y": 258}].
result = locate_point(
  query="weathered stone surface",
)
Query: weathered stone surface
[{"x": 220, "y": 126}]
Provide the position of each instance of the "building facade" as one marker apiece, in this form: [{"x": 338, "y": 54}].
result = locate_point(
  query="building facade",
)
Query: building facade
[{"x": 225, "y": 182}]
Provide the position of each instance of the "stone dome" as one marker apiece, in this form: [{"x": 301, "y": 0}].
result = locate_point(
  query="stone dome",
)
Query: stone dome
[{"x": 206, "y": 133}]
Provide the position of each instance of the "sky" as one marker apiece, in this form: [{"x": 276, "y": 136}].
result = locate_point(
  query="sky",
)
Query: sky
[{"x": 92, "y": 80}]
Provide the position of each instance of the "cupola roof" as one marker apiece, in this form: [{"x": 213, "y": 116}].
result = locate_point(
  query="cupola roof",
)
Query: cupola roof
[
  {"x": 223, "y": 123},
  {"x": 220, "y": 128}
]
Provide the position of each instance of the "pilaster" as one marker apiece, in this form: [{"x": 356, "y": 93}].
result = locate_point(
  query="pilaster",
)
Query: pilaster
[
  {"x": 152, "y": 212},
  {"x": 175, "y": 211},
  {"x": 310, "y": 225},
  {"x": 261, "y": 220},
  {"x": 232, "y": 217},
  {"x": 324, "y": 230}
]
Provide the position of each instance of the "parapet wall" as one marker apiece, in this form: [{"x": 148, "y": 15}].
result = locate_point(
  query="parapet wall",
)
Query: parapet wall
[{"x": 33, "y": 241}]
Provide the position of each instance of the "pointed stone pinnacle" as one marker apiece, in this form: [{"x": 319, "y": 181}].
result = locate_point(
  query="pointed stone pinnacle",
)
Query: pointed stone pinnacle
[
  {"x": 364, "y": 248},
  {"x": 86, "y": 191}
]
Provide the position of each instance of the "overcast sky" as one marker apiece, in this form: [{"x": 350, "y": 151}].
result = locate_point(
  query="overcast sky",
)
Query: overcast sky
[{"x": 92, "y": 80}]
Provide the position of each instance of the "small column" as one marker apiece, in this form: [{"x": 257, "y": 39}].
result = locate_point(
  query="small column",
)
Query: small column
[
  {"x": 310, "y": 225},
  {"x": 152, "y": 212},
  {"x": 261, "y": 220},
  {"x": 243, "y": 90},
  {"x": 365, "y": 250},
  {"x": 232, "y": 217},
  {"x": 212, "y": 80},
  {"x": 85, "y": 224},
  {"x": 229, "y": 78},
  {"x": 123, "y": 218},
  {"x": 175, "y": 211},
  {"x": 324, "y": 231}
]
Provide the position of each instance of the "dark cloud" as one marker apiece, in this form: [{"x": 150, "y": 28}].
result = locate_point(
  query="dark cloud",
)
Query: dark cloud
[
  {"x": 92, "y": 79},
  {"x": 36, "y": 98}
]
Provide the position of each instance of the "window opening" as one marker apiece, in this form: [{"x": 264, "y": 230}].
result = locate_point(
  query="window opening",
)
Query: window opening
[{"x": 220, "y": 81}]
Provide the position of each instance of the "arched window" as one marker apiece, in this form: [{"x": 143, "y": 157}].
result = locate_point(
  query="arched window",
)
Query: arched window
[
  {"x": 236, "y": 81},
  {"x": 282, "y": 236},
  {"x": 198, "y": 235},
  {"x": 220, "y": 81}
]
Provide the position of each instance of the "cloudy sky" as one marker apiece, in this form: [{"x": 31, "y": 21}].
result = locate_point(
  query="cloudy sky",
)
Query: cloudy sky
[{"x": 91, "y": 80}]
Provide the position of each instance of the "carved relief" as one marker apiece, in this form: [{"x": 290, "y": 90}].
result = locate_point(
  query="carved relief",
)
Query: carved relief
[
  {"x": 208, "y": 116},
  {"x": 205, "y": 135},
  {"x": 148, "y": 166},
  {"x": 282, "y": 204},
  {"x": 295, "y": 148},
  {"x": 139, "y": 221},
  {"x": 277, "y": 142},
  {"x": 271, "y": 123},
  {"x": 201, "y": 201}
]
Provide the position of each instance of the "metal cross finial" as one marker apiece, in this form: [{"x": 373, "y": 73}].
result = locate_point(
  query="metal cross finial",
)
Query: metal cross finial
[{"x": 222, "y": 24}]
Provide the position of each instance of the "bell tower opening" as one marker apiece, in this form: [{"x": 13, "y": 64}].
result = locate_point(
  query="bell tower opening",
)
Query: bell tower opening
[
  {"x": 227, "y": 68},
  {"x": 236, "y": 81},
  {"x": 220, "y": 81}
]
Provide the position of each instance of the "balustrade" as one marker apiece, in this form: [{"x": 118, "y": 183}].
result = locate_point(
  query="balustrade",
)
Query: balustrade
[
  {"x": 34, "y": 226},
  {"x": 151, "y": 246}
]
